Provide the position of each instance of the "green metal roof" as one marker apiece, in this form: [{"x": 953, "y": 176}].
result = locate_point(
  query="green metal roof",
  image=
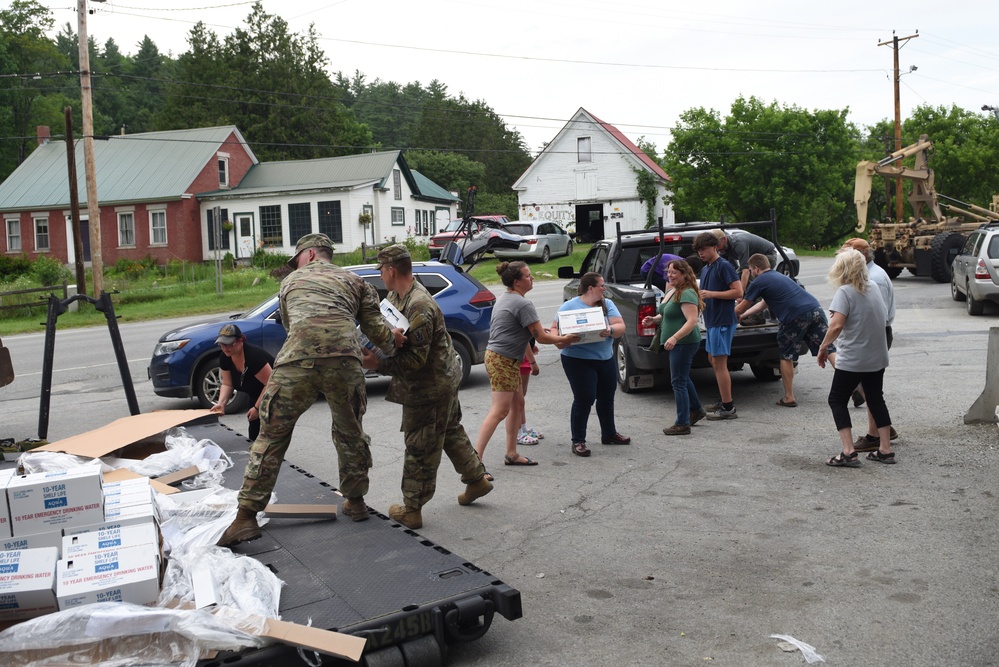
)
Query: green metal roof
[
  {"x": 152, "y": 166},
  {"x": 430, "y": 190}
]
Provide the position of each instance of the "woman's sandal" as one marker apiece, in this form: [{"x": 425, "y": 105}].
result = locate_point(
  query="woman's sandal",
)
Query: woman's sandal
[
  {"x": 844, "y": 460},
  {"x": 516, "y": 460},
  {"x": 876, "y": 455},
  {"x": 486, "y": 476}
]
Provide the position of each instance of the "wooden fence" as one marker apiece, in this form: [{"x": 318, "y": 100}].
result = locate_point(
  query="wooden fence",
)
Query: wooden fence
[{"x": 4, "y": 305}]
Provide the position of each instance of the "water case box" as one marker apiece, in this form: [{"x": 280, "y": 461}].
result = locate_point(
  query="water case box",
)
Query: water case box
[
  {"x": 50, "y": 538},
  {"x": 126, "y": 492},
  {"x": 27, "y": 583},
  {"x": 131, "y": 514},
  {"x": 5, "y": 476},
  {"x": 140, "y": 536},
  {"x": 111, "y": 575},
  {"x": 53, "y": 500},
  {"x": 586, "y": 322}
]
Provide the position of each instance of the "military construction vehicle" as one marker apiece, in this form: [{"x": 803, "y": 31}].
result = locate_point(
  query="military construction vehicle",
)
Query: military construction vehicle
[{"x": 929, "y": 241}]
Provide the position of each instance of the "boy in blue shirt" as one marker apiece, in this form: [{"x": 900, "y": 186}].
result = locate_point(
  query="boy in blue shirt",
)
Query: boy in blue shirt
[{"x": 720, "y": 288}]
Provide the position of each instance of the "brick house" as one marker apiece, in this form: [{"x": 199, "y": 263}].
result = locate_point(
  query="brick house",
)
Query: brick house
[{"x": 147, "y": 185}]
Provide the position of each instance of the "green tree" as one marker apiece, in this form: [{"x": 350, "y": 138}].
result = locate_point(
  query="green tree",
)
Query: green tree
[
  {"x": 26, "y": 51},
  {"x": 475, "y": 130},
  {"x": 452, "y": 171},
  {"x": 764, "y": 156},
  {"x": 269, "y": 82}
]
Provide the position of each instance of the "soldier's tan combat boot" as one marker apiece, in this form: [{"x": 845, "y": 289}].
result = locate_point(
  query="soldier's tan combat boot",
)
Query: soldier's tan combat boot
[
  {"x": 355, "y": 509},
  {"x": 407, "y": 516},
  {"x": 476, "y": 489},
  {"x": 243, "y": 529}
]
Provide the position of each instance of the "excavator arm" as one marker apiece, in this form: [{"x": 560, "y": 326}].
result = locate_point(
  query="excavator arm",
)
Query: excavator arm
[{"x": 922, "y": 196}]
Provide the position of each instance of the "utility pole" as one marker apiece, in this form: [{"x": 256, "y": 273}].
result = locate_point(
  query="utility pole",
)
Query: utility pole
[
  {"x": 93, "y": 212},
  {"x": 898, "y": 119},
  {"x": 74, "y": 203}
]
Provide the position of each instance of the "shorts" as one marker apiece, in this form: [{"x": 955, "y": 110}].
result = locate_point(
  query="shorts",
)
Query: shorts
[
  {"x": 808, "y": 328},
  {"x": 718, "y": 340},
  {"x": 504, "y": 372}
]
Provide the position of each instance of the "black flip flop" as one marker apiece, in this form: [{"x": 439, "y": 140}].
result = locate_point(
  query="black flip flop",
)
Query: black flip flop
[{"x": 511, "y": 461}]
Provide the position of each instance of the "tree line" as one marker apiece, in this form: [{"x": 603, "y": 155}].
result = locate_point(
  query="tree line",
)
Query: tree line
[{"x": 273, "y": 85}]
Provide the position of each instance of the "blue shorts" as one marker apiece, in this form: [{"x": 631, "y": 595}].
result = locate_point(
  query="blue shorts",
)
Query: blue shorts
[{"x": 718, "y": 340}]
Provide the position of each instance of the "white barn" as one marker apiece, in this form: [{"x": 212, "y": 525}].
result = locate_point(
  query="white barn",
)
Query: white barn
[{"x": 585, "y": 180}]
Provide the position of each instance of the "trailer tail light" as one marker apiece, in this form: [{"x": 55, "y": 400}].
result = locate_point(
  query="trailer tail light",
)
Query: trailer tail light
[
  {"x": 482, "y": 299},
  {"x": 981, "y": 271},
  {"x": 646, "y": 310}
]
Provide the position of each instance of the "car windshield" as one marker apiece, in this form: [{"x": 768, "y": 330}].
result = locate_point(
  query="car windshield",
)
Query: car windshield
[
  {"x": 262, "y": 309},
  {"x": 452, "y": 226},
  {"x": 523, "y": 230}
]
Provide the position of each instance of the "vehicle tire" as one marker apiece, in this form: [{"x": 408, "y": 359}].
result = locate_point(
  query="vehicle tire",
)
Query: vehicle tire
[
  {"x": 943, "y": 249},
  {"x": 955, "y": 292},
  {"x": 464, "y": 358},
  {"x": 975, "y": 307},
  {"x": 881, "y": 260},
  {"x": 568, "y": 249},
  {"x": 765, "y": 373},
  {"x": 546, "y": 254},
  {"x": 208, "y": 381},
  {"x": 625, "y": 369}
]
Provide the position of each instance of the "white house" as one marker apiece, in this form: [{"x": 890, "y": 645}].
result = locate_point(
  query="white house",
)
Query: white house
[
  {"x": 370, "y": 198},
  {"x": 587, "y": 176}
]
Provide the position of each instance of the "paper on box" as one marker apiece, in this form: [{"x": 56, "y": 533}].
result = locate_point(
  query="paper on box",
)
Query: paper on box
[
  {"x": 587, "y": 323},
  {"x": 27, "y": 579},
  {"x": 112, "y": 575},
  {"x": 51, "y": 500}
]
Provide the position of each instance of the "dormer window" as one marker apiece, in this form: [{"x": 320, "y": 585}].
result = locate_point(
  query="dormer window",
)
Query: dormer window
[{"x": 223, "y": 162}]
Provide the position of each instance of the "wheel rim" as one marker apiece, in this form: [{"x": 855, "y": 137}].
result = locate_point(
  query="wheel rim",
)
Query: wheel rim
[
  {"x": 621, "y": 363},
  {"x": 213, "y": 384},
  {"x": 546, "y": 254}
]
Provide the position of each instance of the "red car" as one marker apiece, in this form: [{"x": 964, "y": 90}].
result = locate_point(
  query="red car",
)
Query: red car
[{"x": 451, "y": 233}]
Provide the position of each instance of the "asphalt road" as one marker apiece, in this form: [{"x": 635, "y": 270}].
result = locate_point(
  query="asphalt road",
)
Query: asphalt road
[{"x": 682, "y": 551}]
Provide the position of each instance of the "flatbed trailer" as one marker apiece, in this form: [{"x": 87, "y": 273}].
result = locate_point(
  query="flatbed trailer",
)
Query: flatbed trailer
[{"x": 375, "y": 579}]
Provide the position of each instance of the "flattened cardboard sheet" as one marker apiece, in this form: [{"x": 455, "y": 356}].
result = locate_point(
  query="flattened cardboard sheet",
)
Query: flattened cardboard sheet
[
  {"x": 125, "y": 431},
  {"x": 294, "y": 511}
]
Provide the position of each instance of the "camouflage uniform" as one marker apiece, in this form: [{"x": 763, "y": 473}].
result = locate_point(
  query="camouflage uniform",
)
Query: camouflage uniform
[
  {"x": 425, "y": 378},
  {"x": 319, "y": 305}
]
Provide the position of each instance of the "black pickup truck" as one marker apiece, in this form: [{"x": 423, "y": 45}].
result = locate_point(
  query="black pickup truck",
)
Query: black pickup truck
[{"x": 620, "y": 260}]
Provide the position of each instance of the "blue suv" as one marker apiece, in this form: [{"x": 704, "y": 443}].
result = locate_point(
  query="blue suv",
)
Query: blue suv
[{"x": 185, "y": 361}]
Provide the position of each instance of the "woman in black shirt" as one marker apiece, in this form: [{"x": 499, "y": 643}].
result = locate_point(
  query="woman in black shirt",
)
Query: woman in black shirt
[{"x": 245, "y": 368}]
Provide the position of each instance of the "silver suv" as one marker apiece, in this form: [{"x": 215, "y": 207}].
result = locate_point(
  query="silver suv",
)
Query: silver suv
[{"x": 975, "y": 276}]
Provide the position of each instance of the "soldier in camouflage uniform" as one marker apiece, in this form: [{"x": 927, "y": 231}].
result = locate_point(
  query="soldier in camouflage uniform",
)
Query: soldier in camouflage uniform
[
  {"x": 425, "y": 378},
  {"x": 319, "y": 304}
]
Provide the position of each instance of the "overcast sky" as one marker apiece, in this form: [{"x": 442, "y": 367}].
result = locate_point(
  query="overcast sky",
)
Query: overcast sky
[{"x": 637, "y": 64}]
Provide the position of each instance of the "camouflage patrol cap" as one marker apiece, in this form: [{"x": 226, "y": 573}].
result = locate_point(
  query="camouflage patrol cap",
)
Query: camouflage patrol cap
[
  {"x": 228, "y": 334},
  {"x": 310, "y": 241},
  {"x": 392, "y": 253}
]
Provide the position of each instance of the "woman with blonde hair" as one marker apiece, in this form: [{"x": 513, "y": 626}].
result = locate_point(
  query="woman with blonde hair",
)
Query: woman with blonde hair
[
  {"x": 857, "y": 325},
  {"x": 680, "y": 335}
]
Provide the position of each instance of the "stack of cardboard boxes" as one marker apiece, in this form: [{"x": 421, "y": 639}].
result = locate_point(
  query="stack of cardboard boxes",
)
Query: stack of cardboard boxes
[{"x": 68, "y": 539}]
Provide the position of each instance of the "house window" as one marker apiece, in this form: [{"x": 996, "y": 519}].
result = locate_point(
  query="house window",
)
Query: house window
[
  {"x": 41, "y": 234},
  {"x": 157, "y": 227},
  {"x": 330, "y": 220},
  {"x": 270, "y": 226},
  {"x": 13, "y": 235},
  {"x": 223, "y": 216},
  {"x": 426, "y": 223},
  {"x": 583, "y": 153},
  {"x": 299, "y": 222},
  {"x": 126, "y": 229},
  {"x": 397, "y": 184},
  {"x": 398, "y": 216},
  {"x": 223, "y": 161}
]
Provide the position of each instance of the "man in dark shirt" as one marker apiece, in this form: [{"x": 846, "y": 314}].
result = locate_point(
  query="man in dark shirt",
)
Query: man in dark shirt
[{"x": 801, "y": 318}]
